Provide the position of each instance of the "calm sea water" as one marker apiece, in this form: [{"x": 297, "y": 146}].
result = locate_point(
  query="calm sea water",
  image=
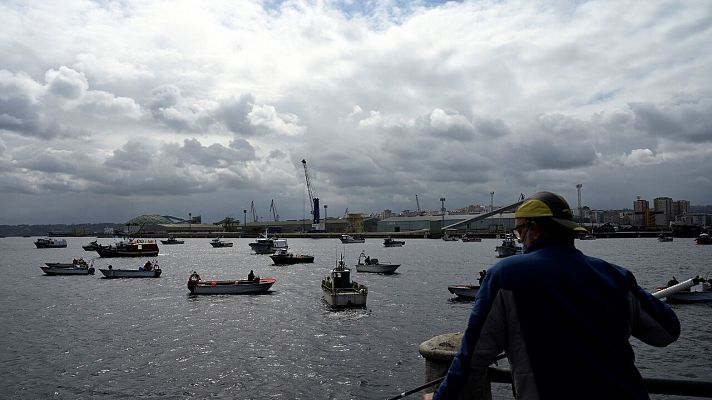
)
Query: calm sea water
[{"x": 84, "y": 336}]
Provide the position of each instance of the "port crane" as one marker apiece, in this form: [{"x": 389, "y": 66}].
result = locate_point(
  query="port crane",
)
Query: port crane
[
  {"x": 253, "y": 211},
  {"x": 316, "y": 219},
  {"x": 273, "y": 210}
]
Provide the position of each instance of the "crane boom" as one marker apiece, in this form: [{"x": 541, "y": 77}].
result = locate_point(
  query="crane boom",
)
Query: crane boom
[
  {"x": 314, "y": 201},
  {"x": 254, "y": 211},
  {"x": 273, "y": 209},
  {"x": 417, "y": 203}
]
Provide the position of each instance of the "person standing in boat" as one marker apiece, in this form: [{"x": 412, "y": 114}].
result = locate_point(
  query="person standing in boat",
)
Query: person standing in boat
[
  {"x": 251, "y": 276},
  {"x": 482, "y": 276},
  {"x": 562, "y": 318}
]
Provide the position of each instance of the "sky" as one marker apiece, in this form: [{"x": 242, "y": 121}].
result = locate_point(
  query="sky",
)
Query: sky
[{"x": 113, "y": 109}]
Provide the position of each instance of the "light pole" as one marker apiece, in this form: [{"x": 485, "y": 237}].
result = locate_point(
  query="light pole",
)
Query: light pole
[
  {"x": 190, "y": 223},
  {"x": 579, "y": 202},
  {"x": 325, "y": 217},
  {"x": 491, "y": 201},
  {"x": 244, "y": 225},
  {"x": 442, "y": 211}
]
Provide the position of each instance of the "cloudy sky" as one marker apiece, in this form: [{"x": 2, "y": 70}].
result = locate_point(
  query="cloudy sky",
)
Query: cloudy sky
[{"x": 111, "y": 109}]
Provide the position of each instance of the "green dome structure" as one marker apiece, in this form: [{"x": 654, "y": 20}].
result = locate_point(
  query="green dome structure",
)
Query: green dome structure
[{"x": 154, "y": 220}]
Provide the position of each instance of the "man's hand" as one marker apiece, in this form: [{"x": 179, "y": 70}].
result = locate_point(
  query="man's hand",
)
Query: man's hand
[{"x": 428, "y": 396}]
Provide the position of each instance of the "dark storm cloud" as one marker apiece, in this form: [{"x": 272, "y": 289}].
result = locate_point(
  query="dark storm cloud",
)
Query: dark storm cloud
[
  {"x": 234, "y": 112},
  {"x": 213, "y": 156},
  {"x": 492, "y": 128},
  {"x": 685, "y": 122},
  {"x": 556, "y": 154},
  {"x": 20, "y": 112},
  {"x": 133, "y": 156},
  {"x": 168, "y": 106},
  {"x": 50, "y": 162},
  {"x": 556, "y": 142}
]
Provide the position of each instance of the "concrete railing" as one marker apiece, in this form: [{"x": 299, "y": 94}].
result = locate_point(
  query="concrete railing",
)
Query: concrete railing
[{"x": 440, "y": 350}]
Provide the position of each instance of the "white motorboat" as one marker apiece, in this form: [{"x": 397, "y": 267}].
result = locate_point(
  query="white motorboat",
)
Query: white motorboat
[
  {"x": 509, "y": 247},
  {"x": 340, "y": 292},
  {"x": 256, "y": 285},
  {"x": 352, "y": 239},
  {"x": 48, "y": 243},
  {"x": 465, "y": 292},
  {"x": 172, "y": 240},
  {"x": 368, "y": 264},
  {"x": 268, "y": 245},
  {"x": 149, "y": 270},
  {"x": 77, "y": 267}
]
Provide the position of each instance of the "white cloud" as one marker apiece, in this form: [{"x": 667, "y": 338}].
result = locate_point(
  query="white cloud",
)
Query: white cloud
[
  {"x": 640, "y": 157},
  {"x": 281, "y": 123}
]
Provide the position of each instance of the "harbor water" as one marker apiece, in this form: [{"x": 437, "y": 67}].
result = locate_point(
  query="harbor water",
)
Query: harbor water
[{"x": 80, "y": 337}]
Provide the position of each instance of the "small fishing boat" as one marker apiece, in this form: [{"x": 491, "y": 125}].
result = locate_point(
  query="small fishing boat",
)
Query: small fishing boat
[
  {"x": 93, "y": 246},
  {"x": 340, "y": 292},
  {"x": 218, "y": 242},
  {"x": 665, "y": 238},
  {"x": 389, "y": 242},
  {"x": 464, "y": 292},
  {"x": 467, "y": 291},
  {"x": 256, "y": 285},
  {"x": 368, "y": 264},
  {"x": 172, "y": 240},
  {"x": 352, "y": 239},
  {"x": 703, "y": 238},
  {"x": 509, "y": 247},
  {"x": 129, "y": 248},
  {"x": 470, "y": 238},
  {"x": 449, "y": 238},
  {"x": 48, "y": 243},
  {"x": 697, "y": 290},
  {"x": 149, "y": 270},
  {"x": 283, "y": 257},
  {"x": 76, "y": 267},
  {"x": 268, "y": 245}
]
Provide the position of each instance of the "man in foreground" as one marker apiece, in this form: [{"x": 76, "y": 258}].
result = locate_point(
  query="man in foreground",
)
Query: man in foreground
[{"x": 564, "y": 319}]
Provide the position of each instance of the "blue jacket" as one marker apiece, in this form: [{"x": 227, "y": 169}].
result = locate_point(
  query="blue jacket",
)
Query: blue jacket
[{"x": 564, "y": 320}]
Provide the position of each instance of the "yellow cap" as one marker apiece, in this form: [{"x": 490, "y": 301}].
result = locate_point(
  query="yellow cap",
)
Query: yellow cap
[{"x": 548, "y": 205}]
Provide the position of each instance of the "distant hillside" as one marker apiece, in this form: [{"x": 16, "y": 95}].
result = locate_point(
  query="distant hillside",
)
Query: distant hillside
[{"x": 57, "y": 229}]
